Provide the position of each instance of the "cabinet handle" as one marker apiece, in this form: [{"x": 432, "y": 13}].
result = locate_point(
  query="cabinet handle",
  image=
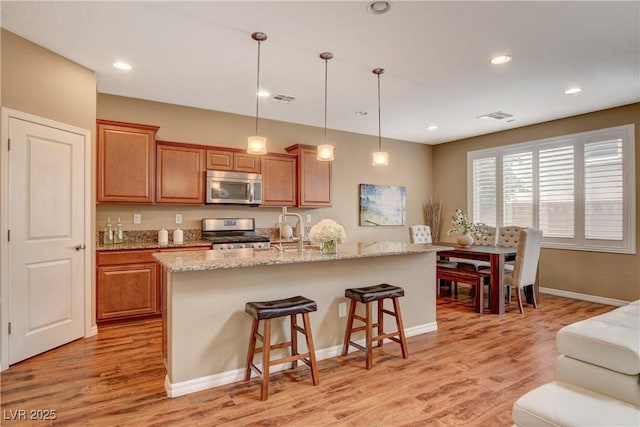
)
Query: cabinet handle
[{"x": 78, "y": 247}]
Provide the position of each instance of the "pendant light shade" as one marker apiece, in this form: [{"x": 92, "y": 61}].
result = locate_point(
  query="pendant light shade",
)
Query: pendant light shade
[
  {"x": 325, "y": 151},
  {"x": 380, "y": 158},
  {"x": 257, "y": 144}
]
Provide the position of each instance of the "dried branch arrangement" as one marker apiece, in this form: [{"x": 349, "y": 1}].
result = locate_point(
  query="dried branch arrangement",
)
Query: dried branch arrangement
[{"x": 432, "y": 212}]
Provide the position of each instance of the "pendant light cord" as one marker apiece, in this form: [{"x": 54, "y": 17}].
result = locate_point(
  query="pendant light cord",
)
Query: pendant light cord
[
  {"x": 379, "y": 119},
  {"x": 258, "y": 88},
  {"x": 326, "y": 62}
]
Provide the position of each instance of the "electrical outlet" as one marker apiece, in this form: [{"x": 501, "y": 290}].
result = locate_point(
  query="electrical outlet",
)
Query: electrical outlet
[
  {"x": 178, "y": 218},
  {"x": 280, "y": 218},
  {"x": 308, "y": 218},
  {"x": 342, "y": 309},
  {"x": 137, "y": 218}
]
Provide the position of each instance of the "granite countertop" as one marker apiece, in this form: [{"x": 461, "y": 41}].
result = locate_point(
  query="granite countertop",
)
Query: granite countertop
[
  {"x": 177, "y": 262},
  {"x": 152, "y": 245}
]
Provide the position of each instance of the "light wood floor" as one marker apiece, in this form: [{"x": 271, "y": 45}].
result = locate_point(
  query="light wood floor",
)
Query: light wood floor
[{"x": 468, "y": 373}]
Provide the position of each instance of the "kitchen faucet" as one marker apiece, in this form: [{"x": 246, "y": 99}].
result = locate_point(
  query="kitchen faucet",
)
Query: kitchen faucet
[{"x": 299, "y": 226}]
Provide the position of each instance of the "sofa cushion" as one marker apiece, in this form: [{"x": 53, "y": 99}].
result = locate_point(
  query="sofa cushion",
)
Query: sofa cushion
[
  {"x": 610, "y": 340},
  {"x": 592, "y": 377},
  {"x": 562, "y": 404}
]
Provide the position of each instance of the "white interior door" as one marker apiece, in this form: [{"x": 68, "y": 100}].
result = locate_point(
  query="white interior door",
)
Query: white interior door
[{"x": 46, "y": 237}]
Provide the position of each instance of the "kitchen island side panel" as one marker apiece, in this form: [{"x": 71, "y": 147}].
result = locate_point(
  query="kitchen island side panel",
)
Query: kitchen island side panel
[{"x": 208, "y": 329}]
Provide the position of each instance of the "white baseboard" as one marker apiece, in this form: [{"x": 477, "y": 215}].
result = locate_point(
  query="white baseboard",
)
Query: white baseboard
[
  {"x": 584, "y": 297},
  {"x": 228, "y": 377}
]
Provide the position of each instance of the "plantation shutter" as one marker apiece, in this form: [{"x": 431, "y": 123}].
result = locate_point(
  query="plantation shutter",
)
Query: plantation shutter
[
  {"x": 517, "y": 186},
  {"x": 557, "y": 191},
  {"x": 603, "y": 190},
  {"x": 484, "y": 190}
]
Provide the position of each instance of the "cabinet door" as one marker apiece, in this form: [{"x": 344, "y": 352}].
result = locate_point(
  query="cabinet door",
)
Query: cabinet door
[
  {"x": 180, "y": 174},
  {"x": 314, "y": 177},
  {"x": 221, "y": 160},
  {"x": 125, "y": 154},
  {"x": 278, "y": 180},
  {"x": 244, "y": 162},
  {"x": 125, "y": 291}
]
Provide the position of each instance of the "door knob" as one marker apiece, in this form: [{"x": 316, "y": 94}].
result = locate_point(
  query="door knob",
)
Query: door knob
[{"x": 78, "y": 247}]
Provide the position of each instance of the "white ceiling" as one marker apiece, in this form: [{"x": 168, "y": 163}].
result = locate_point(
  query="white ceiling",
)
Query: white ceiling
[{"x": 435, "y": 54}]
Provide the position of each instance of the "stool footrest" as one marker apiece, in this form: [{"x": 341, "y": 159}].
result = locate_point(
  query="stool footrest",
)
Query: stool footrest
[{"x": 358, "y": 346}]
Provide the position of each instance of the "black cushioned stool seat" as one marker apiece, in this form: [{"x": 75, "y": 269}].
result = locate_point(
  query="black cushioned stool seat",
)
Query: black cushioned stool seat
[
  {"x": 267, "y": 310},
  {"x": 367, "y": 296}
]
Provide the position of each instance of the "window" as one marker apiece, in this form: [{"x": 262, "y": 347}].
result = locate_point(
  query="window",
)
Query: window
[{"x": 578, "y": 189}]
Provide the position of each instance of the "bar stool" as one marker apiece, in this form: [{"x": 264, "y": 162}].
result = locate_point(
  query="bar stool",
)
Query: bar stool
[
  {"x": 367, "y": 296},
  {"x": 267, "y": 310}
]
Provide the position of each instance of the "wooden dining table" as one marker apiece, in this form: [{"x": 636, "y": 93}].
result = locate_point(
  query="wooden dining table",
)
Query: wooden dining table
[{"x": 496, "y": 257}]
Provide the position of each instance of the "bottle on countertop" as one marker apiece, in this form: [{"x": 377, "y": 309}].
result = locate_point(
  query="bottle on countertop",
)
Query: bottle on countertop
[
  {"x": 163, "y": 237},
  {"x": 108, "y": 233},
  {"x": 178, "y": 237},
  {"x": 118, "y": 236}
]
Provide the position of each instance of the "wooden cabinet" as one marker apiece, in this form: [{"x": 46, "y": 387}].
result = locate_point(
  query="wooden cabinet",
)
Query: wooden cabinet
[
  {"x": 179, "y": 173},
  {"x": 278, "y": 180},
  {"x": 125, "y": 154},
  {"x": 232, "y": 160},
  {"x": 127, "y": 285},
  {"x": 314, "y": 177}
]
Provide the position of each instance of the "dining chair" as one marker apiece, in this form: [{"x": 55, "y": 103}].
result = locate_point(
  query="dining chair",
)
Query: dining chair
[
  {"x": 421, "y": 234},
  {"x": 526, "y": 265},
  {"x": 508, "y": 237},
  {"x": 487, "y": 238}
]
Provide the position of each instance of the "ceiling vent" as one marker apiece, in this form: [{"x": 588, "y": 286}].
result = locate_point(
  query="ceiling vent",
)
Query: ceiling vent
[
  {"x": 285, "y": 99},
  {"x": 497, "y": 115}
]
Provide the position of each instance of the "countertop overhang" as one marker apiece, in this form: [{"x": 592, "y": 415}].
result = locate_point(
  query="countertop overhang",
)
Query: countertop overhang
[{"x": 178, "y": 262}]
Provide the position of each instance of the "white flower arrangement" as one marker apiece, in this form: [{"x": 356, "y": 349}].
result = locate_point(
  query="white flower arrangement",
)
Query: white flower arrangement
[
  {"x": 460, "y": 224},
  {"x": 327, "y": 230}
]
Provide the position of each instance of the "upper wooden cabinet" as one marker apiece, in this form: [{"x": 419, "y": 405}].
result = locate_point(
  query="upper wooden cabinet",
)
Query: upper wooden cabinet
[
  {"x": 179, "y": 173},
  {"x": 313, "y": 177},
  {"x": 125, "y": 162},
  {"x": 278, "y": 180},
  {"x": 232, "y": 160}
]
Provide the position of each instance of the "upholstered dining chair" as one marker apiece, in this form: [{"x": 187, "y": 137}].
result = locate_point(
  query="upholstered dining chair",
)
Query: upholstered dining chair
[
  {"x": 508, "y": 237},
  {"x": 421, "y": 234},
  {"x": 489, "y": 237},
  {"x": 526, "y": 265}
]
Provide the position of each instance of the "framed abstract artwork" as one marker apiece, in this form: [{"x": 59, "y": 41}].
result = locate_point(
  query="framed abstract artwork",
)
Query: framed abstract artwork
[{"x": 382, "y": 205}]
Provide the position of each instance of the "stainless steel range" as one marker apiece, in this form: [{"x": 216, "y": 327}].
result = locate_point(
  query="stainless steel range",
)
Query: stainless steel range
[{"x": 232, "y": 233}]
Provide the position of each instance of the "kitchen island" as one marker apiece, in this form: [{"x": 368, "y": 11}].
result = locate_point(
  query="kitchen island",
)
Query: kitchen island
[{"x": 205, "y": 328}]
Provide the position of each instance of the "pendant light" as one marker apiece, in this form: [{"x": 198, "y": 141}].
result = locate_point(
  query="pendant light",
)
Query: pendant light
[
  {"x": 380, "y": 158},
  {"x": 257, "y": 144},
  {"x": 325, "y": 151}
]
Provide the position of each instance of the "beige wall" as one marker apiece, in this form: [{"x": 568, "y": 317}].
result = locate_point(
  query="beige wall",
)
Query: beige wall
[
  {"x": 410, "y": 166},
  {"x": 39, "y": 82},
  {"x": 593, "y": 273}
]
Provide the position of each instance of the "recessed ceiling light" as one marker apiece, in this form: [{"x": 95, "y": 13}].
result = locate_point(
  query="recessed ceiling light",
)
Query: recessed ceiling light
[
  {"x": 121, "y": 65},
  {"x": 432, "y": 127},
  {"x": 573, "y": 91},
  {"x": 263, "y": 93},
  {"x": 379, "y": 7},
  {"x": 361, "y": 113},
  {"x": 502, "y": 59}
]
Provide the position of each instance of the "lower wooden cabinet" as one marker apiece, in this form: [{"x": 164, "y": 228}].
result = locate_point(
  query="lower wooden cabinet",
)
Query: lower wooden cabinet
[{"x": 128, "y": 284}]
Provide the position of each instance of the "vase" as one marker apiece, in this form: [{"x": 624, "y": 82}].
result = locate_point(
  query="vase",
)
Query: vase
[
  {"x": 465, "y": 240},
  {"x": 329, "y": 247}
]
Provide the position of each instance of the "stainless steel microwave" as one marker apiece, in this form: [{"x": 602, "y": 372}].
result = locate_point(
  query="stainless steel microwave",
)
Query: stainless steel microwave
[{"x": 238, "y": 188}]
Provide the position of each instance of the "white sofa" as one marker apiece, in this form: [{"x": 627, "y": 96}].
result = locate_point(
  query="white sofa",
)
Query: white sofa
[{"x": 596, "y": 378}]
